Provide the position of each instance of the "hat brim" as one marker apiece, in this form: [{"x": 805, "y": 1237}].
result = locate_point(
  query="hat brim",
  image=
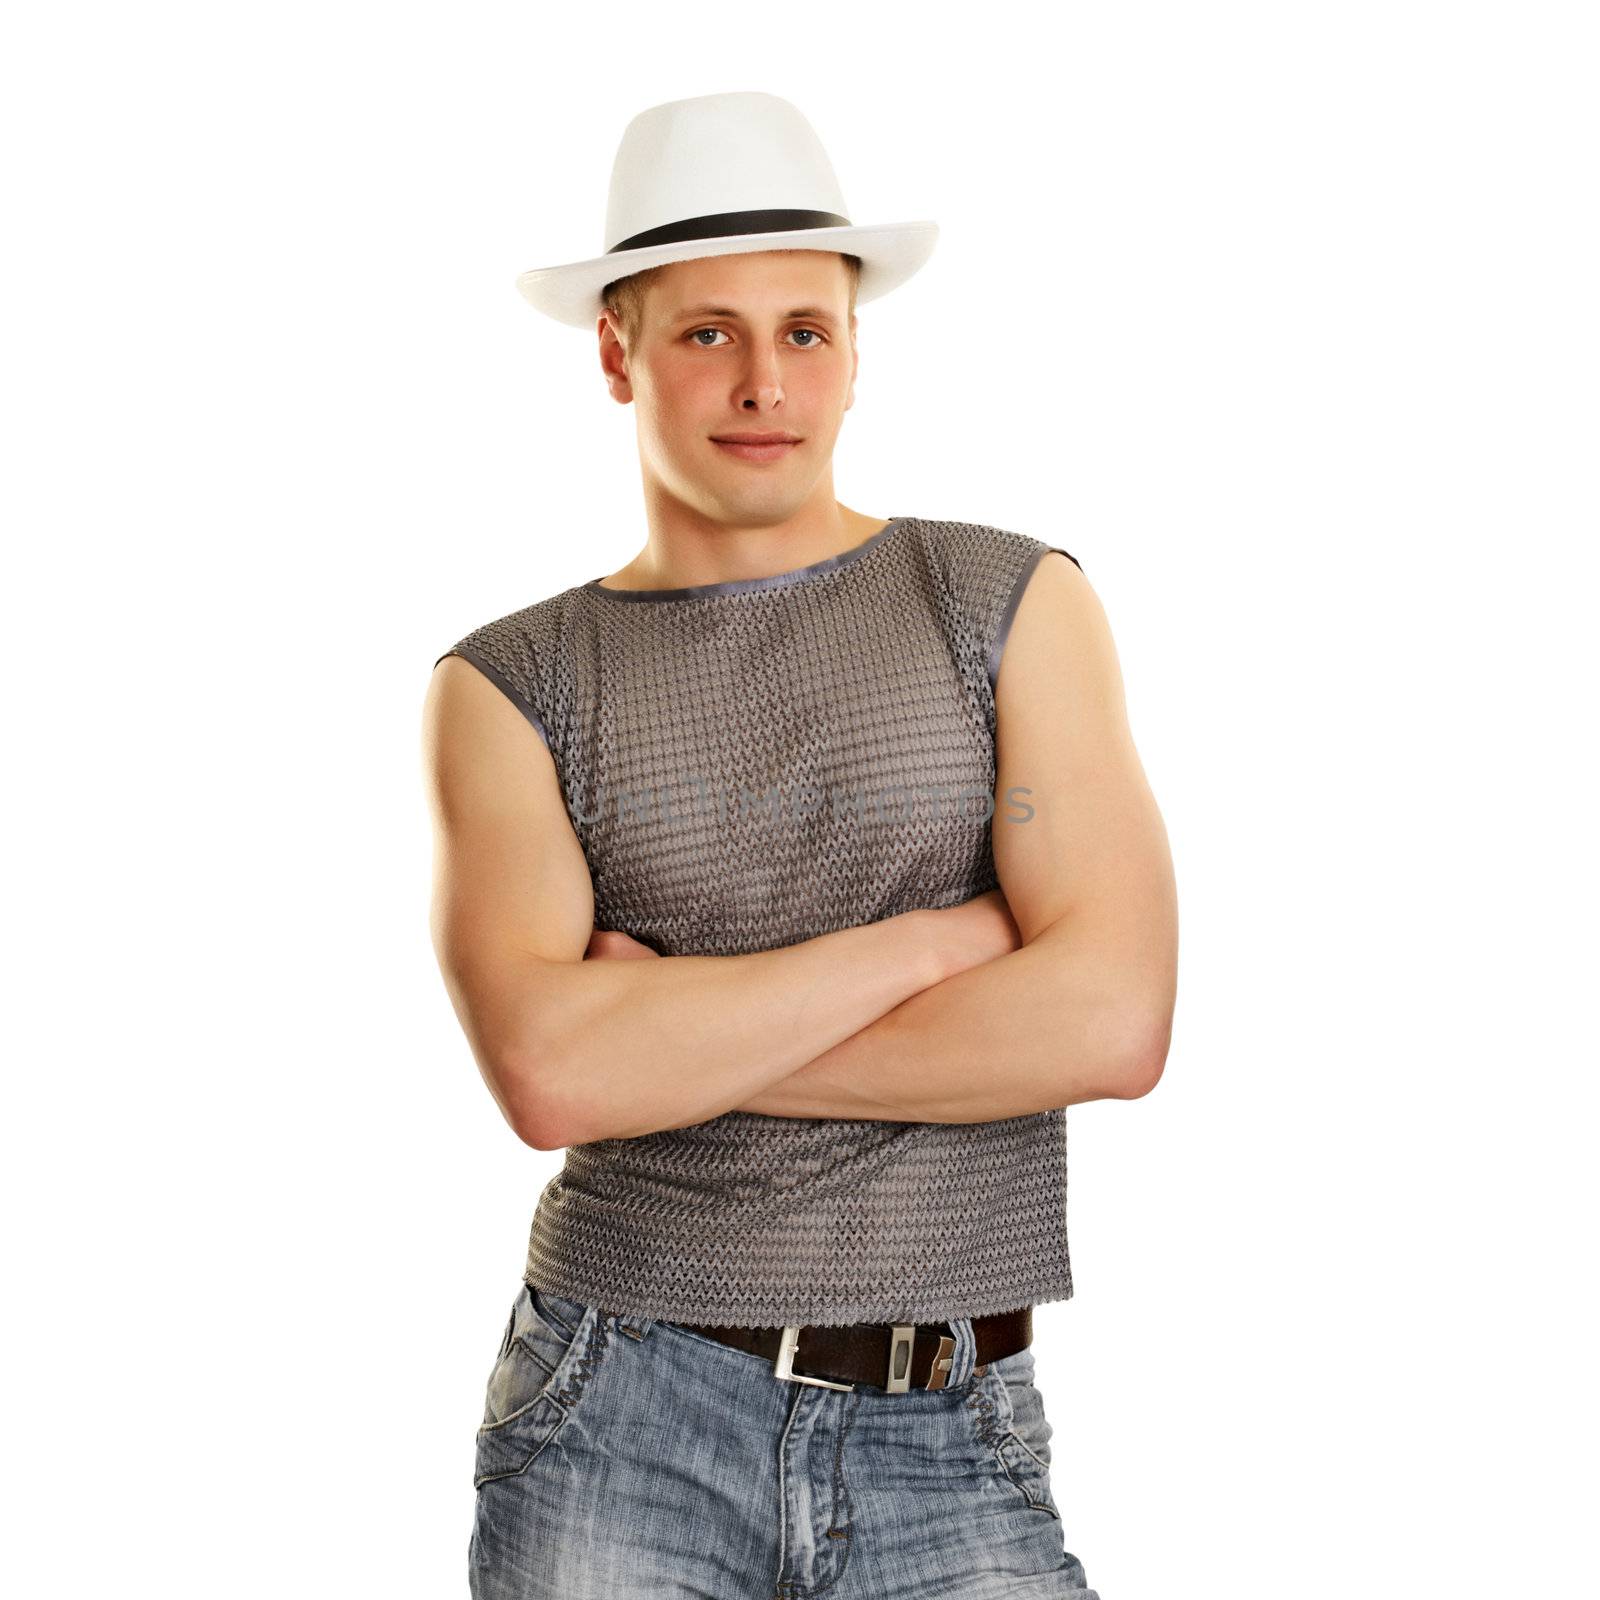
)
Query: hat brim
[{"x": 890, "y": 253}]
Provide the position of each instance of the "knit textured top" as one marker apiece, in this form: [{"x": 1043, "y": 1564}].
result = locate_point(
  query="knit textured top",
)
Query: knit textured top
[{"x": 752, "y": 764}]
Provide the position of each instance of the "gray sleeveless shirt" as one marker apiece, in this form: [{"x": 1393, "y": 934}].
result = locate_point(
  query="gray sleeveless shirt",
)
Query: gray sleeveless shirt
[{"x": 752, "y": 764}]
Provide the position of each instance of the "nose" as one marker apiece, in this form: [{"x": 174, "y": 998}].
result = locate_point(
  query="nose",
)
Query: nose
[{"x": 761, "y": 389}]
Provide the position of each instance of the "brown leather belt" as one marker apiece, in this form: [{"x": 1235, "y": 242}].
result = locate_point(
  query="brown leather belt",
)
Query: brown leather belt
[{"x": 893, "y": 1357}]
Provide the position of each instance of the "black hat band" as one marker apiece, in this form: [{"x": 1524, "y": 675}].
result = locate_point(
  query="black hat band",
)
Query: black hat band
[{"x": 728, "y": 222}]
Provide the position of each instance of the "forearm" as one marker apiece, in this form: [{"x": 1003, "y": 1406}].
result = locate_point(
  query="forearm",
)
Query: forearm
[
  {"x": 625, "y": 1048},
  {"x": 1050, "y": 1024}
]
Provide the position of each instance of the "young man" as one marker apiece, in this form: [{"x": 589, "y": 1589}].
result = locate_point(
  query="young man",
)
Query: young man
[{"x": 762, "y": 890}]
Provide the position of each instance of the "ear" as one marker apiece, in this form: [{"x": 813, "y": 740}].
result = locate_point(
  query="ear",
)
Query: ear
[
  {"x": 614, "y": 359},
  {"x": 855, "y": 363}
]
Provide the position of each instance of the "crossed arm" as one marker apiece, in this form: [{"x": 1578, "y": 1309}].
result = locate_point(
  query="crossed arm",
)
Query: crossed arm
[{"x": 1059, "y": 989}]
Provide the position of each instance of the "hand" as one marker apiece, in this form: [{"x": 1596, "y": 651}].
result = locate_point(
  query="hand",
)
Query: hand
[
  {"x": 978, "y": 930},
  {"x": 608, "y": 945}
]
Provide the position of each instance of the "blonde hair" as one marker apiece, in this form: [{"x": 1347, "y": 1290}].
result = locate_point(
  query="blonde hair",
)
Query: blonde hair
[{"x": 624, "y": 297}]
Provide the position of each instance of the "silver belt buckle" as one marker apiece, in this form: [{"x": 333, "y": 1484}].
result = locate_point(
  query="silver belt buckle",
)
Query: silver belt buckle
[
  {"x": 783, "y": 1366},
  {"x": 902, "y": 1339}
]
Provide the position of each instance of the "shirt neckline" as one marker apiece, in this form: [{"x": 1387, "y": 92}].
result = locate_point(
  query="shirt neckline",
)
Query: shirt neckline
[{"x": 700, "y": 591}]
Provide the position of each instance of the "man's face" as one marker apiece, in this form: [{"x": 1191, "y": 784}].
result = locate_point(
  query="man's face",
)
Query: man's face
[{"x": 753, "y": 343}]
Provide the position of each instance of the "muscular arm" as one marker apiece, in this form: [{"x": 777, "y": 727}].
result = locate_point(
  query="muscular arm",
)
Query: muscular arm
[
  {"x": 574, "y": 1050},
  {"x": 1082, "y": 1010}
]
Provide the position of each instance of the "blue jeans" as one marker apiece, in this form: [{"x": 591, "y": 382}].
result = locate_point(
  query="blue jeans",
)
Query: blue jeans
[{"x": 622, "y": 1457}]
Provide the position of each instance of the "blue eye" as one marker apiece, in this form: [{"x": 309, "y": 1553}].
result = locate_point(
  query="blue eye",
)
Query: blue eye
[{"x": 813, "y": 337}]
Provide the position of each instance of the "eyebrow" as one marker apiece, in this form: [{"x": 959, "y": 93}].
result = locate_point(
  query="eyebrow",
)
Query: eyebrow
[{"x": 816, "y": 313}]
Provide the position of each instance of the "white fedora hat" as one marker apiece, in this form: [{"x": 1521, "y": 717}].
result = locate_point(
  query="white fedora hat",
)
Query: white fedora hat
[{"x": 721, "y": 174}]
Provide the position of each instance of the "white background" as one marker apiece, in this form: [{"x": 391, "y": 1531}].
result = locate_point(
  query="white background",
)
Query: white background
[{"x": 1281, "y": 318}]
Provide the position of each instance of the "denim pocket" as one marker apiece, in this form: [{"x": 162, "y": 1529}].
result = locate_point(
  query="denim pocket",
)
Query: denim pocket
[
  {"x": 1009, "y": 1419},
  {"x": 548, "y": 1352}
]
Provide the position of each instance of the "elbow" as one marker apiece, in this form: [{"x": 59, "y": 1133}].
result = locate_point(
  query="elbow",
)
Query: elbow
[
  {"x": 538, "y": 1131},
  {"x": 548, "y": 1094},
  {"x": 529, "y": 1096},
  {"x": 1141, "y": 1064}
]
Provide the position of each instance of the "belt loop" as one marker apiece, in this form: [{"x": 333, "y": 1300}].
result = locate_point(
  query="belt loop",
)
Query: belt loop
[
  {"x": 965, "y": 1357},
  {"x": 637, "y": 1328}
]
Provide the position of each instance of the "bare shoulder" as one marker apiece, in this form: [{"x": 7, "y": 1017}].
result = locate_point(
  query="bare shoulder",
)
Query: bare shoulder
[
  {"x": 1060, "y": 654},
  {"x": 505, "y": 845},
  {"x": 478, "y": 744}
]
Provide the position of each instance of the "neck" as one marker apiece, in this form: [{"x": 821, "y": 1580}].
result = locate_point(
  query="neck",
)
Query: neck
[{"x": 687, "y": 548}]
